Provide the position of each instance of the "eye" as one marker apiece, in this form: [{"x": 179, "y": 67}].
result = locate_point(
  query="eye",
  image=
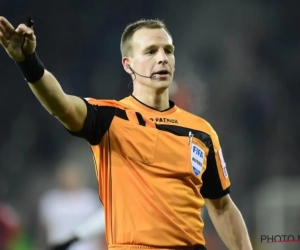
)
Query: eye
[
  {"x": 151, "y": 52},
  {"x": 169, "y": 51}
]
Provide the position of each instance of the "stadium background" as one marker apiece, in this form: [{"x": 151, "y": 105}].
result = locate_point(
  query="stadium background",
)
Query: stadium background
[{"x": 237, "y": 66}]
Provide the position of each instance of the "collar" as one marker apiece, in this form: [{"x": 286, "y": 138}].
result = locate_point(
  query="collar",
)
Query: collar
[{"x": 133, "y": 101}]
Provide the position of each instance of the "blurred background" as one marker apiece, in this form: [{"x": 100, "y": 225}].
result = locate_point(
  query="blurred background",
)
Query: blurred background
[{"x": 237, "y": 66}]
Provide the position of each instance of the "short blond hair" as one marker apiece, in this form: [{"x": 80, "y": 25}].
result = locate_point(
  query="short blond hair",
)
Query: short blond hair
[{"x": 126, "y": 48}]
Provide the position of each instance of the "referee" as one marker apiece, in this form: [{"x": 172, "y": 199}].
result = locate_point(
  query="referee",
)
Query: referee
[{"x": 157, "y": 165}]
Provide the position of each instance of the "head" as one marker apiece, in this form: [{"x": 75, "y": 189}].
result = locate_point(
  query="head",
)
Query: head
[
  {"x": 70, "y": 176},
  {"x": 147, "y": 48}
]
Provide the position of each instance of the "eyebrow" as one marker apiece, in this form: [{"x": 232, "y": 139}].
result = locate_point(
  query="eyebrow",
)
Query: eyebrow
[{"x": 153, "y": 46}]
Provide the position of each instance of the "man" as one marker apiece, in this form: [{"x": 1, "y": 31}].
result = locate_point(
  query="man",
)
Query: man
[
  {"x": 92, "y": 228},
  {"x": 64, "y": 209},
  {"x": 157, "y": 165}
]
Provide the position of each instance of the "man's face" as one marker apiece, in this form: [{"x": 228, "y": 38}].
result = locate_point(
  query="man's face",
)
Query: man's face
[{"x": 153, "y": 55}]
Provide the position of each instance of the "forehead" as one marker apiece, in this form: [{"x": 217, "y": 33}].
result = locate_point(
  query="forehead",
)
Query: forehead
[{"x": 148, "y": 37}]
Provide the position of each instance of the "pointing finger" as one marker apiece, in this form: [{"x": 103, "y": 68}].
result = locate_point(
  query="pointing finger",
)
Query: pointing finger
[
  {"x": 3, "y": 40},
  {"x": 5, "y": 34},
  {"x": 6, "y": 25}
]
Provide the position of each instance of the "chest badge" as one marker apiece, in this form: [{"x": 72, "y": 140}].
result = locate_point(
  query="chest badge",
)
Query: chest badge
[{"x": 197, "y": 157}]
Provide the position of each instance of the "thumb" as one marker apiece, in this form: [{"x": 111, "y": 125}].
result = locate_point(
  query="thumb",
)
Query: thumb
[
  {"x": 30, "y": 34},
  {"x": 24, "y": 30}
]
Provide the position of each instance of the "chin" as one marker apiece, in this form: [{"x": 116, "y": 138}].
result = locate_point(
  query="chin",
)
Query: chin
[
  {"x": 161, "y": 84},
  {"x": 157, "y": 84}
]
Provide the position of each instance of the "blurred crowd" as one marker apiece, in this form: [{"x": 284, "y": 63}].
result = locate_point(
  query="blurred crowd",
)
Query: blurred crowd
[{"x": 236, "y": 65}]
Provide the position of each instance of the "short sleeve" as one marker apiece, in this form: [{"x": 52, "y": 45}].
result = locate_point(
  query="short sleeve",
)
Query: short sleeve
[
  {"x": 97, "y": 122},
  {"x": 216, "y": 183}
]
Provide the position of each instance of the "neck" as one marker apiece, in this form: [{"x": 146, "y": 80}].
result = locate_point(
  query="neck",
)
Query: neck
[{"x": 158, "y": 100}]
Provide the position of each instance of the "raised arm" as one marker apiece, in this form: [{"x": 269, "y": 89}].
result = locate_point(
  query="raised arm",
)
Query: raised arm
[
  {"x": 70, "y": 110},
  {"x": 20, "y": 45}
]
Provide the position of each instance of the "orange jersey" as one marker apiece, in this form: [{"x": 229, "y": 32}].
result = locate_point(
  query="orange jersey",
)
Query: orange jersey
[{"x": 154, "y": 170}]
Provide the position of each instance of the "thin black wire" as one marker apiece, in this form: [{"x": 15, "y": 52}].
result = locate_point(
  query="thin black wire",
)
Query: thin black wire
[{"x": 132, "y": 80}]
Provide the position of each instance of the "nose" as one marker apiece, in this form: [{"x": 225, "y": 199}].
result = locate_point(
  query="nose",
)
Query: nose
[{"x": 162, "y": 57}]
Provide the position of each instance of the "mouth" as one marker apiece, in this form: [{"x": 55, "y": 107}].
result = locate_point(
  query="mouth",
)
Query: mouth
[{"x": 161, "y": 73}]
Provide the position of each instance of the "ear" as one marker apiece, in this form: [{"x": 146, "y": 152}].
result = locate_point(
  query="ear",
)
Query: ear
[{"x": 126, "y": 63}]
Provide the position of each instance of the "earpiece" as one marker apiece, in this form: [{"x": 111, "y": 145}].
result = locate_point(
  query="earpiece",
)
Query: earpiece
[{"x": 129, "y": 67}]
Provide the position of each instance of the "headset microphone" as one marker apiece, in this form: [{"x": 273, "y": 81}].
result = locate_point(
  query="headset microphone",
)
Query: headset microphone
[{"x": 129, "y": 67}]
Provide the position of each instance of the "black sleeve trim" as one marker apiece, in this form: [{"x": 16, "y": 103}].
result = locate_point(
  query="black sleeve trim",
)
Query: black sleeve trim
[
  {"x": 218, "y": 195},
  {"x": 96, "y": 123},
  {"x": 212, "y": 186}
]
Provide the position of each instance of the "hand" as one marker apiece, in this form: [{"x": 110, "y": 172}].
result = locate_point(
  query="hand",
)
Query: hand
[
  {"x": 12, "y": 39},
  {"x": 64, "y": 245}
]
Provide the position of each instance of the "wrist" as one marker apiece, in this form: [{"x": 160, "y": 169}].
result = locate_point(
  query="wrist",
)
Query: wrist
[
  {"x": 31, "y": 68},
  {"x": 19, "y": 59}
]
